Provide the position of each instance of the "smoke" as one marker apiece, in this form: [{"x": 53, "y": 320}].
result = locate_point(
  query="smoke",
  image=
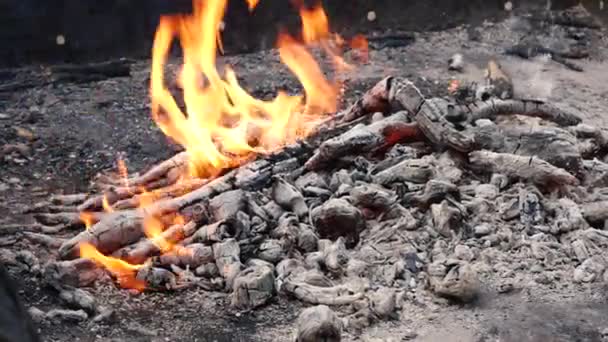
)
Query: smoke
[{"x": 540, "y": 85}]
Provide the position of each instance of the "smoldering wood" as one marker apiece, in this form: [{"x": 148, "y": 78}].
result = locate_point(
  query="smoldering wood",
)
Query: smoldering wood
[
  {"x": 288, "y": 197},
  {"x": 336, "y": 218},
  {"x": 140, "y": 251},
  {"x": 318, "y": 323},
  {"x": 75, "y": 273},
  {"x": 493, "y": 108},
  {"x": 551, "y": 144},
  {"x": 366, "y": 139},
  {"x": 273, "y": 250},
  {"x": 158, "y": 171},
  {"x": 409, "y": 170},
  {"x": 373, "y": 196},
  {"x": 530, "y": 169},
  {"x": 435, "y": 191},
  {"x": 112, "y": 232},
  {"x": 500, "y": 83},
  {"x": 218, "y": 231},
  {"x": 92, "y": 71}
]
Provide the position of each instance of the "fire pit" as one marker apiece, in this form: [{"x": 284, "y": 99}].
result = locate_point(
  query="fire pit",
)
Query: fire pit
[{"x": 359, "y": 206}]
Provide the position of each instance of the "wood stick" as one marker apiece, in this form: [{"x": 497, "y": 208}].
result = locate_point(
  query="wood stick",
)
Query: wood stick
[
  {"x": 493, "y": 108},
  {"x": 429, "y": 115},
  {"x": 526, "y": 168},
  {"x": 146, "y": 248},
  {"x": 366, "y": 139}
]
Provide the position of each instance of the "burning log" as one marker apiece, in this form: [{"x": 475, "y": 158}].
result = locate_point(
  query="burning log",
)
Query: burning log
[
  {"x": 528, "y": 168},
  {"x": 374, "y": 100},
  {"x": 318, "y": 323},
  {"x": 114, "y": 231}
]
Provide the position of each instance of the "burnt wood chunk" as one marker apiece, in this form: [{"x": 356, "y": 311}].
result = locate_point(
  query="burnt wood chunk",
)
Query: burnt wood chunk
[{"x": 336, "y": 218}]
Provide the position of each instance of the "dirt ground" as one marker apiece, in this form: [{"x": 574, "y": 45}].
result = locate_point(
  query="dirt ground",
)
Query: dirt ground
[{"x": 71, "y": 132}]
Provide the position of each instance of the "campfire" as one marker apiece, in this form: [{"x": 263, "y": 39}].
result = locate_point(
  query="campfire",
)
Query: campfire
[{"x": 297, "y": 196}]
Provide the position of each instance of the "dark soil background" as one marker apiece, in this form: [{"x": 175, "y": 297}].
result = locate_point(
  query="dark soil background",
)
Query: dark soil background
[{"x": 67, "y": 133}]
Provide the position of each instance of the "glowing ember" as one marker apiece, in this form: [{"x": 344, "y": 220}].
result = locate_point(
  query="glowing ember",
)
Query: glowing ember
[{"x": 252, "y": 4}]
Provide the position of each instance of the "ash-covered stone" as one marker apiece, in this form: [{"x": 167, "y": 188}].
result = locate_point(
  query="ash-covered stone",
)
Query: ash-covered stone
[
  {"x": 318, "y": 323},
  {"x": 336, "y": 218},
  {"x": 253, "y": 286}
]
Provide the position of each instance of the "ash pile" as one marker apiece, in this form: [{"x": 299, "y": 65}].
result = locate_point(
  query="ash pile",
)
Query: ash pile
[{"x": 397, "y": 199}]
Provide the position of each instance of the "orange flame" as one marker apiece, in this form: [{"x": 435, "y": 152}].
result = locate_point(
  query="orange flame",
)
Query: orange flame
[
  {"x": 106, "y": 205},
  {"x": 87, "y": 218},
  {"x": 252, "y": 4},
  {"x": 222, "y": 124},
  {"x": 124, "y": 272}
]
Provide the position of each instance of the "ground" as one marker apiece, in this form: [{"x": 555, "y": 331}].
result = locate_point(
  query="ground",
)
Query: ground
[{"x": 71, "y": 132}]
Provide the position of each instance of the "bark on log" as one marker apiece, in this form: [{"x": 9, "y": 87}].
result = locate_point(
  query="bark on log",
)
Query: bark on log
[
  {"x": 146, "y": 248},
  {"x": 551, "y": 144},
  {"x": 526, "y": 168}
]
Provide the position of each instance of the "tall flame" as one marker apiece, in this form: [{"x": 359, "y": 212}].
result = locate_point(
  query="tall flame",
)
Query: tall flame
[{"x": 221, "y": 125}]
